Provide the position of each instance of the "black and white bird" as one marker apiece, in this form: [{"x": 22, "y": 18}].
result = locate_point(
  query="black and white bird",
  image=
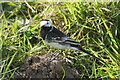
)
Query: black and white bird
[{"x": 55, "y": 38}]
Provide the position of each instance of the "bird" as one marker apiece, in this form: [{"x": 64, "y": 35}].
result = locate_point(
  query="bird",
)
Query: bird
[{"x": 57, "y": 39}]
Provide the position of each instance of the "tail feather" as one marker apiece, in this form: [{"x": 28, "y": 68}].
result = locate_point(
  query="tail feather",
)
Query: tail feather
[{"x": 81, "y": 49}]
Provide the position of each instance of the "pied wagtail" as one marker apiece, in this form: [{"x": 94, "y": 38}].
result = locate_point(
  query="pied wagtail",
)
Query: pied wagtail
[{"x": 55, "y": 38}]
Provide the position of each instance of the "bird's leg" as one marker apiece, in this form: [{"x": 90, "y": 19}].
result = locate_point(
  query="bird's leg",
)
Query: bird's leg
[
  {"x": 54, "y": 57},
  {"x": 53, "y": 54}
]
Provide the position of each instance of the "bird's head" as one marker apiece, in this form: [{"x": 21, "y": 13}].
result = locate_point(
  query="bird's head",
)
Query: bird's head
[{"x": 46, "y": 23}]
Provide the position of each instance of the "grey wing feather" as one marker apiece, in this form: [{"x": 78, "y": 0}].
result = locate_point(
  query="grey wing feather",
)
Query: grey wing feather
[
  {"x": 66, "y": 39},
  {"x": 61, "y": 37}
]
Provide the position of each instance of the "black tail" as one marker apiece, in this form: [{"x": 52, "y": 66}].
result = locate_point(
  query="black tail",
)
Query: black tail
[{"x": 81, "y": 49}]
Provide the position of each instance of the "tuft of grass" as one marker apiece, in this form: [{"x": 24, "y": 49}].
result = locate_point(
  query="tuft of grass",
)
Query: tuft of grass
[{"x": 94, "y": 25}]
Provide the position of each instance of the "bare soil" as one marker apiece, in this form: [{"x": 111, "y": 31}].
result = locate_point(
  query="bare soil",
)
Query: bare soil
[{"x": 46, "y": 67}]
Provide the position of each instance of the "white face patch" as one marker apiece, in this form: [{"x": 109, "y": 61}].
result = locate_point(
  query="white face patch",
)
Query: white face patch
[{"x": 45, "y": 23}]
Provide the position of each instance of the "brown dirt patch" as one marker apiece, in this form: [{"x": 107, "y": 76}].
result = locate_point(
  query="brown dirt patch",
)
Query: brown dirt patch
[{"x": 42, "y": 67}]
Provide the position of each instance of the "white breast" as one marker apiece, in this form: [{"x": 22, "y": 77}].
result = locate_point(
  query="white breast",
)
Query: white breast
[{"x": 59, "y": 46}]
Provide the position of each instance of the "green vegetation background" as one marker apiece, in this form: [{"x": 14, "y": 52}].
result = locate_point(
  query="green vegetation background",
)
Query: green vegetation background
[{"x": 95, "y": 25}]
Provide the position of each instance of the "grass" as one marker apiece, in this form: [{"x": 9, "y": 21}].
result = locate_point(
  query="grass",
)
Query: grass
[{"x": 95, "y": 25}]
